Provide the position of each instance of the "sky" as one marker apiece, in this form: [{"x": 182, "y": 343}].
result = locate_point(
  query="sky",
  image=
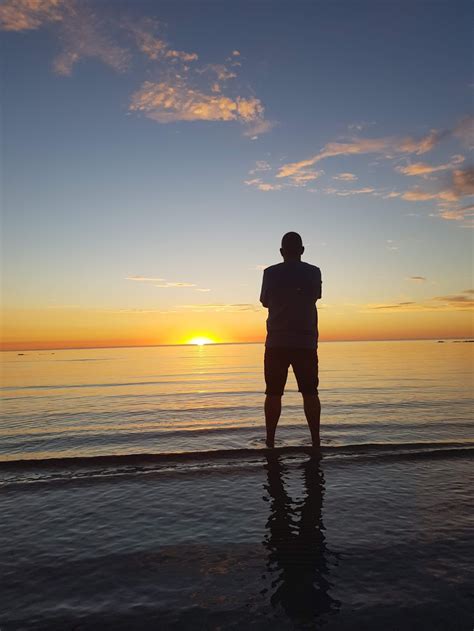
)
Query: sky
[{"x": 154, "y": 153}]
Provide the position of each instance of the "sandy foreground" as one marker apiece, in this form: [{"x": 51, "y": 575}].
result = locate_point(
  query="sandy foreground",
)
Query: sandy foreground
[{"x": 277, "y": 541}]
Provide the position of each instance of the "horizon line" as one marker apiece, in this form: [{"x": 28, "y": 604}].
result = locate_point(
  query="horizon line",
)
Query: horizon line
[{"x": 262, "y": 342}]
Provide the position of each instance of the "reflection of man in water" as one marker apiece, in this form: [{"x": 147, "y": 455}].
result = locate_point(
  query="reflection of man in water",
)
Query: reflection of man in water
[
  {"x": 289, "y": 291},
  {"x": 297, "y": 550}
]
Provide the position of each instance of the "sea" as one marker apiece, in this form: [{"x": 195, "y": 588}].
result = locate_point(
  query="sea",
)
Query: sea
[{"x": 136, "y": 491}]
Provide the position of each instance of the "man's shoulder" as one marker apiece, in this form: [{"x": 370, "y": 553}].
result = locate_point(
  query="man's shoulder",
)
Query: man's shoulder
[
  {"x": 273, "y": 268},
  {"x": 304, "y": 267},
  {"x": 311, "y": 268}
]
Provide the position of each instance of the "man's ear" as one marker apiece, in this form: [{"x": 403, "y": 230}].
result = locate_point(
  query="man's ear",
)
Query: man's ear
[
  {"x": 302, "y": 249},
  {"x": 281, "y": 251}
]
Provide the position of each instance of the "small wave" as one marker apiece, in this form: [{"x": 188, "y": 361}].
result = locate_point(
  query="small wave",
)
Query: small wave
[{"x": 423, "y": 449}]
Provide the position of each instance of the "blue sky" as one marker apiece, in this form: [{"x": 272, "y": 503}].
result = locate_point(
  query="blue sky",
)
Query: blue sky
[{"x": 180, "y": 140}]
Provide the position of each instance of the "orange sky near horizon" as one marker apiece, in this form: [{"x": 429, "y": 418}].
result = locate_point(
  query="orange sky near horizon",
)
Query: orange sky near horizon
[{"x": 76, "y": 328}]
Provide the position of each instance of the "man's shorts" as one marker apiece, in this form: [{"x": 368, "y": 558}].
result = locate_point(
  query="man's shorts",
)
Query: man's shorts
[{"x": 304, "y": 362}]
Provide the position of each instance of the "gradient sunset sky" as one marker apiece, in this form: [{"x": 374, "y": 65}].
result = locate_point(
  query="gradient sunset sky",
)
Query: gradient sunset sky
[{"x": 154, "y": 153}]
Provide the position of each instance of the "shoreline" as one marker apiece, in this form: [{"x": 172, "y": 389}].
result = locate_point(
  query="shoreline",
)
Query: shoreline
[{"x": 280, "y": 544}]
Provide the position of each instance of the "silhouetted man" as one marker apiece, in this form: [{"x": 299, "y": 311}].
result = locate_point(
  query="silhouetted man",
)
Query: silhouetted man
[{"x": 290, "y": 291}]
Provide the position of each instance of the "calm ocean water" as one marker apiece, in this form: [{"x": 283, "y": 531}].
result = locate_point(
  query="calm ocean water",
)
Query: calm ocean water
[
  {"x": 210, "y": 531},
  {"x": 191, "y": 399}
]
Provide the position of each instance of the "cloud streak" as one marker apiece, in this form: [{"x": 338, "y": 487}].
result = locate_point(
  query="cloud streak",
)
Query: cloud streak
[
  {"x": 221, "y": 307},
  {"x": 162, "y": 283},
  {"x": 263, "y": 186},
  {"x": 367, "y": 190},
  {"x": 152, "y": 43},
  {"x": 174, "y": 284},
  {"x": 187, "y": 91},
  {"x": 25, "y": 15},
  {"x": 388, "y": 147},
  {"x": 145, "y": 279},
  {"x": 345, "y": 177},
  {"x": 83, "y": 36},
  {"x": 424, "y": 170},
  {"x": 455, "y": 302},
  {"x": 172, "y": 101},
  {"x": 81, "y": 31}
]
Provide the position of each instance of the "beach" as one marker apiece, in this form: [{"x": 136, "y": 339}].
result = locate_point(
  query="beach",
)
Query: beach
[
  {"x": 175, "y": 523},
  {"x": 361, "y": 540}
]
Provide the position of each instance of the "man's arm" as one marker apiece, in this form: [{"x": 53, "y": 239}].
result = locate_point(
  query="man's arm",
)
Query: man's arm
[
  {"x": 319, "y": 285},
  {"x": 264, "y": 291}
]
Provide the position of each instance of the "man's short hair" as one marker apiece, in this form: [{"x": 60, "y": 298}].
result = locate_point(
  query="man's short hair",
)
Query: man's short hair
[{"x": 292, "y": 243}]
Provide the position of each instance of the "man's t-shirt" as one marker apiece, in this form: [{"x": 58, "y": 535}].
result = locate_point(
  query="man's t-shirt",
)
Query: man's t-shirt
[{"x": 290, "y": 291}]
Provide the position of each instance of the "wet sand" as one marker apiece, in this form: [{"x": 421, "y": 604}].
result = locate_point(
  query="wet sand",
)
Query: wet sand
[{"x": 261, "y": 541}]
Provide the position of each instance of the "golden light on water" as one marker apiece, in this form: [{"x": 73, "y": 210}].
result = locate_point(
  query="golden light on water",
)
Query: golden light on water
[{"x": 200, "y": 341}]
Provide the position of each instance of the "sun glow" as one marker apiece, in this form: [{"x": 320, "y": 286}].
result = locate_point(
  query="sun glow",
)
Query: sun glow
[{"x": 200, "y": 341}]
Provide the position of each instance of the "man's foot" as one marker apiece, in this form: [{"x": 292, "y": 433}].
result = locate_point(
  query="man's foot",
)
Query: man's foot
[{"x": 270, "y": 444}]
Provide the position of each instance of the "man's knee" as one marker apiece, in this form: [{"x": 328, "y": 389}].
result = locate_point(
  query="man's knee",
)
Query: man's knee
[{"x": 273, "y": 401}]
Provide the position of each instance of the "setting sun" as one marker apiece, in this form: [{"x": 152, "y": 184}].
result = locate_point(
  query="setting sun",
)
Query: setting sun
[{"x": 200, "y": 341}]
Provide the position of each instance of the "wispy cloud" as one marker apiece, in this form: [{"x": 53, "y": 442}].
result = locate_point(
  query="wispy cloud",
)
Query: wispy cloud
[
  {"x": 360, "y": 126},
  {"x": 162, "y": 283},
  {"x": 151, "y": 42},
  {"x": 145, "y": 279},
  {"x": 149, "y": 39},
  {"x": 456, "y": 186},
  {"x": 345, "y": 177},
  {"x": 425, "y": 170},
  {"x": 464, "y": 130},
  {"x": 464, "y": 299},
  {"x": 258, "y": 127},
  {"x": 463, "y": 182},
  {"x": 300, "y": 179},
  {"x": 419, "y": 195},
  {"x": 221, "y": 71},
  {"x": 188, "y": 91},
  {"x": 456, "y": 302},
  {"x": 220, "y": 307},
  {"x": 263, "y": 186},
  {"x": 450, "y": 205},
  {"x": 81, "y": 31},
  {"x": 367, "y": 190},
  {"x": 83, "y": 35},
  {"x": 134, "y": 311},
  {"x": 181, "y": 55},
  {"x": 391, "y": 245},
  {"x": 392, "y": 307},
  {"x": 174, "y": 284},
  {"x": 260, "y": 165},
  {"x": 24, "y": 15},
  {"x": 446, "y": 191},
  {"x": 457, "y": 213},
  {"x": 417, "y": 279},
  {"x": 173, "y": 101},
  {"x": 388, "y": 146}
]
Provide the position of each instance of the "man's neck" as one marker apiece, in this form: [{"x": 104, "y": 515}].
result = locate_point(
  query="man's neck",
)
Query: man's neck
[{"x": 291, "y": 259}]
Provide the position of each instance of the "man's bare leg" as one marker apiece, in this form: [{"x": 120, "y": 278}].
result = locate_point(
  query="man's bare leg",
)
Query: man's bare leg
[
  {"x": 272, "y": 415},
  {"x": 312, "y": 410}
]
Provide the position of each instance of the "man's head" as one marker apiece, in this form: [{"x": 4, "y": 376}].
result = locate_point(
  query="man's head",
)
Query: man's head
[{"x": 291, "y": 246}]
